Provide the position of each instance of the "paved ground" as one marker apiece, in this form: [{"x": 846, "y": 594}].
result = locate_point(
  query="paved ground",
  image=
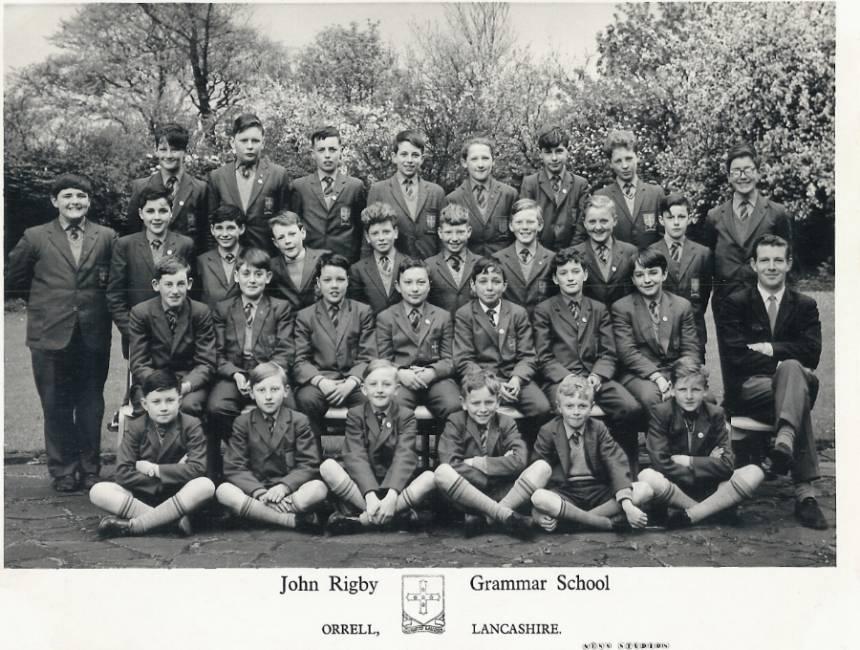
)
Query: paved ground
[{"x": 47, "y": 530}]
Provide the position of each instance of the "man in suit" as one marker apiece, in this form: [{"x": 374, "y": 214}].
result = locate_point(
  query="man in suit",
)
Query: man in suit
[
  {"x": 188, "y": 199},
  {"x": 215, "y": 277},
  {"x": 257, "y": 186},
  {"x": 417, "y": 202},
  {"x": 373, "y": 279},
  {"x": 62, "y": 268},
  {"x": 637, "y": 202},
  {"x": 328, "y": 201},
  {"x": 294, "y": 271},
  {"x": 560, "y": 194},
  {"x": 451, "y": 269},
  {"x": 772, "y": 341},
  {"x": 489, "y": 201}
]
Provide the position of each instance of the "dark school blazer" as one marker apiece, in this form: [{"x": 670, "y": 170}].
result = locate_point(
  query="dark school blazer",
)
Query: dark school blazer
[
  {"x": 271, "y": 334},
  {"x": 430, "y": 346},
  {"x": 620, "y": 271},
  {"x": 190, "y": 207},
  {"x": 560, "y": 219},
  {"x": 282, "y": 286},
  {"x": 493, "y": 234},
  {"x": 522, "y": 291},
  {"x": 415, "y": 237},
  {"x": 640, "y": 228},
  {"x": 365, "y": 283},
  {"x": 444, "y": 290},
  {"x": 211, "y": 286}
]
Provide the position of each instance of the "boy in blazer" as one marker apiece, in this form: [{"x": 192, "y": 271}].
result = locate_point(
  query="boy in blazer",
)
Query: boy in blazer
[
  {"x": 373, "y": 279},
  {"x": 334, "y": 342},
  {"x": 254, "y": 184},
  {"x": 215, "y": 268},
  {"x": 62, "y": 269},
  {"x": 495, "y": 335},
  {"x": 377, "y": 478},
  {"x": 271, "y": 466},
  {"x": 772, "y": 340},
  {"x": 526, "y": 262},
  {"x": 451, "y": 269},
  {"x": 637, "y": 202},
  {"x": 134, "y": 258},
  {"x": 573, "y": 335},
  {"x": 488, "y": 201},
  {"x": 328, "y": 201},
  {"x": 588, "y": 476},
  {"x": 691, "y": 265},
  {"x": 417, "y": 202},
  {"x": 560, "y": 194},
  {"x": 160, "y": 463},
  {"x": 609, "y": 261},
  {"x": 418, "y": 339},
  {"x": 189, "y": 202},
  {"x": 294, "y": 269},
  {"x": 481, "y": 460},
  {"x": 249, "y": 330},
  {"x": 175, "y": 333},
  {"x": 692, "y": 464}
]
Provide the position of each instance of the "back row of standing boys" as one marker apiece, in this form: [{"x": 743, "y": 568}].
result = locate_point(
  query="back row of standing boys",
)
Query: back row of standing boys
[{"x": 452, "y": 297}]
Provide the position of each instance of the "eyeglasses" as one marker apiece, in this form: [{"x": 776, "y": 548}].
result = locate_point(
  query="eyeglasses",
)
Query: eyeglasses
[{"x": 742, "y": 171}]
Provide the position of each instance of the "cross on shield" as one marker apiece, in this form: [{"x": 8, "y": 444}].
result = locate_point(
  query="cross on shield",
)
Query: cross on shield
[{"x": 423, "y": 604}]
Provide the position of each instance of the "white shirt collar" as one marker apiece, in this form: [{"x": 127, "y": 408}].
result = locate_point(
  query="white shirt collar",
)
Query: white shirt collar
[
  {"x": 498, "y": 307},
  {"x": 765, "y": 294}
]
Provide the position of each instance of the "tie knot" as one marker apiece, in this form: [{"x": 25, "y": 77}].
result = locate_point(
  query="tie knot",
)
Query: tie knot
[
  {"x": 171, "y": 182},
  {"x": 249, "y": 308},
  {"x": 229, "y": 258},
  {"x": 74, "y": 232},
  {"x": 455, "y": 261},
  {"x": 525, "y": 254},
  {"x": 245, "y": 170},
  {"x": 156, "y": 244}
]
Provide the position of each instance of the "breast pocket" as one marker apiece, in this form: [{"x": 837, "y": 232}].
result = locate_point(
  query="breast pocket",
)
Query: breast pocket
[{"x": 502, "y": 223}]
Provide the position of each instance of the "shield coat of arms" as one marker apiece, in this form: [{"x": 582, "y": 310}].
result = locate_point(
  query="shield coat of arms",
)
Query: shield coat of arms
[{"x": 423, "y": 604}]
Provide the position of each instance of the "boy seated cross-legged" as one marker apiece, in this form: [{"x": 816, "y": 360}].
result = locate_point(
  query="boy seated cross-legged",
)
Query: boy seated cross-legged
[
  {"x": 271, "y": 467},
  {"x": 160, "y": 464},
  {"x": 377, "y": 478}
]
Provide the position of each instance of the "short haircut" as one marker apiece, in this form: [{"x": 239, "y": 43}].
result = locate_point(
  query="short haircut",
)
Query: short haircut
[
  {"x": 565, "y": 255},
  {"x": 410, "y": 263},
  {"x": 600, "y": 202},
  {"x": 689, "y": 367},
  {"x": 325, "y": 132},
  {"x": 255, "y": 257},
  {"x": 413, "y": 137},
  {"x": 552, "y": 137},
  {"x": 227, "y": 212},
  {"x": 246, "y": 121},
  {"x": 332, "y": 259},
  {"x": 454, "y": 214},
  {"x": 486, "y": 265},
  {"x": 479, "y": 139},
  {"x": 525, "y": 205},
  {"x": 478, "y": 379},
  {"x": 170, "y": 264},
  {"x": 377, "y": 212},
  {"x": 377, "y": 364},
  {"x": 618, "y": 138},
  {"x": 285, "y": 218},
  {"x": 265, "y": 370},
  {"x": 174, "y": 134},
  {"x": 771, "y": 240},
  {"x": 575, "y": 386},
  {"x": 154, "y": 194},
  {"x": 675, "y": 198},
  {"x": 741, "y": 150},
  {"x": 71, "y": 181},
  {"x": 160, "y": 380},
  {"x": 650, "y": 258}
]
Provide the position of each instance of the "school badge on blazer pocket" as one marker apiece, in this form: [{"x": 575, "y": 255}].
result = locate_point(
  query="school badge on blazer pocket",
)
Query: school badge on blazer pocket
[
  {"x": 502, "y": 223},
  {"x": 104, "y": 274},
  {"x": 430, "y": 220},
  {"x": 345, "y": 215},
  {"x": 268, "y": 205},
  {"x": 694, "y": 288},
  {"x": 543, "y": 287},
  {"x": 650, "y": 220},
  {"x": 191, "y": 223},
  {"x": 423, "y": 604}
]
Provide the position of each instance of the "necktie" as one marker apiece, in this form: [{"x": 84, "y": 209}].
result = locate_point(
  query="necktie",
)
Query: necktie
[
  {"x": 270, "y": 423},
  {"x": 327, "y": 183},
  {"x": 246, "y": 170},
  {"x": 771, "y": 312},
  {"x": 249, "y": 314},
  {"x": 161, "y": 432},
  {"x": 480, "y": 197},
  {"x": 171, "y": 319},
  {"x": 524, "y": 255},
  {"x": 385, "y": 264},
  {"x": 414, "y": 318},
  {"x": 574, "y": 309},
  {"x": 380, "y": 418},
  {"x": 491, "y": 314},
  {"x": 230, "y": 258},
  {"x": 484, "y": 431},
  {"x": 744, "y": 210},
  {"x": 629, "y": 192},
  {"x": 332, "y": 312},
  {"x": 156, "y": 245},
  {"x": 675, "y": 251},
  {"x": 409, "y": 188},
  {"x": 603, "y": 253},
  {"x": 170, "y": 185},
  {"x": 654, "y": 308},
  {"x": 574, "y": 437},
  {"x": 556, "y": 183},
  {"x": 74, "y": 232},
  {"x": 455, "y": 261}
]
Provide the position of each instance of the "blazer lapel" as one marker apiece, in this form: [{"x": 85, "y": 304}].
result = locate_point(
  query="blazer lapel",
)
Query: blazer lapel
[
  {"x": 472, "y": 430},
  {"x": 638, "y": 198},
  {"x": 643, "y": 318},
  {"x": 404, "y": 324},
  {"x": 542, "y": 258},
  {"x": 339, "y": 184},
  {"x": 373, "y": 274},
  {"x": 620, "y": 200},
  {"x": 664, "y": 327},
  {"x": 759, "y": 308},
  {"x": 59, "y": 239},
  {"x": 237, "y": 315},
  {"x": 755, "y": 219},
  {"x": 468, "y": 263},
  {"x": 562, "y": 447},
  {"x": 309, "y": 270},
  {"x": 422, "y": 198},
  {"x": 493, "y": 433},
  {"x": 316, "y": 186},
  {"x": 510, "y": 255},
  {"x": 260, "y": 317},
  {"x": 701, "y": 426},
  {"x": 786, "y": 307},
  {"x": 171, "y": 243},
  {"x": 259, "y": 181},
  {"x": 687, "y": 256},
  {"x": 494, "y": 195},
  {"x": 504, "y": 321},
  {"x": 214, "y": 263},
  {"x": 170, "y": 438},
  {"x": 87, "y": 245},
  {"x": 445, "y": 271},
  {"x": 615, "y": 263},
  {"x": 397, "y": 193},
  {"x": 323, "y": 317},
  {"x": 145, "y": 252},
  {"x": 153, "y": 439},
  {"x": 182, "y": 323},
  {"x": 232, "y": 186},
  {"x": 546, "y": 185},
  {"x": 343, "y": 321},
  {"x": 182, "y": 194},
  {"x": 584, "y": 319},
  {"x": 474, "y": 210},
  {"x": 425, "y": 325},
  {"x": 479, "y": 315}
]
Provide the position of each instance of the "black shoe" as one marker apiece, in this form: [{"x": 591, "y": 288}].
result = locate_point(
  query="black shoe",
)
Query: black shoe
[
  {"x": 415, "y": 520},
  {"x": 621, "y": 525},
  {"x": 67, "y": 483},
  {"x": 113, "y": 425},
  {"x": 781, "y": 459},
  {"x": 472, "y": 525},
  {"x": 114, "y": 527},
  {"x": 88, "y": 480},
  {"x": 339, "y": 524},
  {"x": 678, "y": 519},
  {"x": 658, "y": 518},
  {"x": 519, "y": 526},
  {"x": 308, "y": 522},
  {"x": 809, "y": 514}
]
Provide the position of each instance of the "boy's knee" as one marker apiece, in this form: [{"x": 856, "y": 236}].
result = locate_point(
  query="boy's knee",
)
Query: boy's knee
[
  {"x": 445, "y": 475},
  {"x": 650, "y": 476},
  {"x": 229, "y": 495},
  {"x": 540, "y": 470},
  {"x": 316, "y": 490},
  {"x": 102, "y": 492},
  {"x": 330, "y": 469},
  {"x": 642, "y": 493},
  {"x": 542, "y": 499},
  {"x": 202, "y": 486}
]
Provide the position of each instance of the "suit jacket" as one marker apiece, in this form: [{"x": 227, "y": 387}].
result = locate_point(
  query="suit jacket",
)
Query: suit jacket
[
  {"x": 494, "y": 234},
  {"x": 639, "y": 351},
  {"x": 640, "y": 228},
  {"x": 334, "y": 353},
  {"x": 444, "y": 290},
  {"x": 507, "y": 350},
  {"x": 380, "y": 459},
  {"x": 733, "y": 246},
  {"x": 270, "y": 195},
  {"x": 272, "y": 335},
  {"x": 621, "y": 270},
  {"x": 132, "y": 271},
  {"x": 365, "y": 283},
  {"x": 430, "y": 346},
  {"x": 581, "y": 347},
  {"x": 190, "y": 207},
  {"x": 184, "y": 438},
  {"x": 461, "y": 439},
  {"x": 211, "y": 285},
  {"x": 257, "y": 460},
  {"x": 607, "y": 462},
  {"x": 416, "y": 238},
  {"x": 282, "y": 286},
  {"x": 60, "y": 294},
  {"x": 560, "y": 219},
  {"x": 667, "y": 436},
  {"x": 337, "y": 228},
  {"x": 691, "y": 278},
  {"x": 189, "y": 351},
  {"x": 527, "y": 292}
]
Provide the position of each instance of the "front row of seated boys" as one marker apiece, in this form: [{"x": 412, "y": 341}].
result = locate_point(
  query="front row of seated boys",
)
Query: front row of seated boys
[{"x": 274, "y": 474}]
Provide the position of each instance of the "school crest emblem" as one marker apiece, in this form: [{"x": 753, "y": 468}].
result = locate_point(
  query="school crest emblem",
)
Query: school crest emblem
[
  {"x": 268, "y": 204},
  {"x": 423, "y": 604},
  {"x": 344, "y": 216},
  {"x": 430, "y": 217},
  {"x": 650, "y": 220}
]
